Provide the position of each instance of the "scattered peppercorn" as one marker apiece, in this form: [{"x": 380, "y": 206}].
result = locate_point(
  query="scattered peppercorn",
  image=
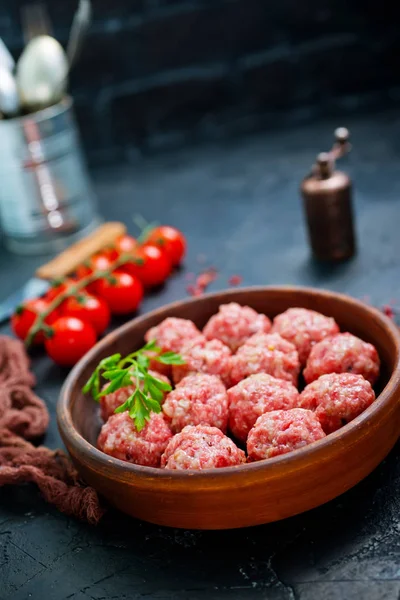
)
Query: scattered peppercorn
[
  {"x": 203, "y": 280},
  {"x": 388, "y": 311},
  {"x": 235, "y": 280}
]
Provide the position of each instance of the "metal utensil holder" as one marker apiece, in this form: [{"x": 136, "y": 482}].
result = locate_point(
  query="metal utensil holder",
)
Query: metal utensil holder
[{"x": 46, "y": 199}]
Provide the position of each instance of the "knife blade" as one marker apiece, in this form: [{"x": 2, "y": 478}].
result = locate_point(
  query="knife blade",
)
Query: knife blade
[
  {"x": 63, "y": 264},
  {"x": 32, "y": 289}
]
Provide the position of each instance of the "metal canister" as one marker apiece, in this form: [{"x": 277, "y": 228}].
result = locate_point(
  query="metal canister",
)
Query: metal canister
[
  {"x": 327, "y": 200},
  {"x": 46, "y": 198}
]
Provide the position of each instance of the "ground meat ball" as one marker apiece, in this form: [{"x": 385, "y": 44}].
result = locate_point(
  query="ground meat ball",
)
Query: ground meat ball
[
  {"x": 266, "y": 353},
  {"x": 204, "y": 356},
  {"x": 120, "y": 438},
  {"x": 110, "y": 402},
  {"x": 172, "y": 333},
  {"x": 282, "y": 431},
  {"x": 253, "y": 397},
  {"x": 234, "y": 324},
  {"x": 337, "y": 399},
  {"x": 201, "y": 447},
  {"x": 197, "y": 399},
  {"x": 343, "y": 353},
  {"x": 304, "y": 328}
]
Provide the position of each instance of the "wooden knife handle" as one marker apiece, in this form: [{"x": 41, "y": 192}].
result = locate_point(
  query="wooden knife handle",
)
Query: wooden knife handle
[{"x": 66, "y": 262}]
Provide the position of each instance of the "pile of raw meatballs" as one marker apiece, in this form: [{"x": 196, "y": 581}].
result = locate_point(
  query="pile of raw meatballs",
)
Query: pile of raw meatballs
[{"x": 240, "y": 377}]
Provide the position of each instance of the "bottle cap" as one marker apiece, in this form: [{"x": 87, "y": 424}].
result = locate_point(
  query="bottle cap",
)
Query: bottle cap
[{"x": 324, "y": 165}]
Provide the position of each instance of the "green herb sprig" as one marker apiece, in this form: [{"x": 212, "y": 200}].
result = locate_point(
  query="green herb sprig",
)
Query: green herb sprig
[{"x": 134, "y": 369}]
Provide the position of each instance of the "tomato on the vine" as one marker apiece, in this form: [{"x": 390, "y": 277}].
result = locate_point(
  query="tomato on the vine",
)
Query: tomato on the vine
[
  {"x": 56, "y": 288},
  {"x": 59, "y": 288},
  {"x": 70, "y": 338},
  {"x": 98, "y": 262},
  {"x": 125, "y": 243},
  {"x": 171, "y": 240},
  {"x": 89, "y": 308},
  {"x": 150, "y": 264},
  {"x": 122, "y": 291},
  {"x": 110, "y": 253},
  {"x": 25, "y": 316}
]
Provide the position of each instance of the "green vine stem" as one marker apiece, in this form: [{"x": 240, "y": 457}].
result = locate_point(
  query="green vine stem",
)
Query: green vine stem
[{"x": 144, "y": 226}]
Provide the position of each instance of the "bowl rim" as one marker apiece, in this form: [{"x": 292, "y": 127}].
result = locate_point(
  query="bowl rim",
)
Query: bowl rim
[{"x": 83, "y": 447}]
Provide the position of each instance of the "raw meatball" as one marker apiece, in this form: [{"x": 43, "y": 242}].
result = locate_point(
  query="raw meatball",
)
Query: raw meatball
[
  {"x": 343, "y": 353},
  {"x": 110, "y": 402},
  {"x": 234, "y": 324},
  {"x": 198, "y": 398},
  {"x": 282, "y": 431},
  {"x": 337, "y": 399},
  {"x": 120, "y": 438},
  {"x": 201, "y": 447},
  {"x": 253, "y": 397},
  {"x": 172, "y": 333},
  {"x": 304, "y": 328},
  {"x": 204, "y": 356},
  {"x": 266, "y": 353}
]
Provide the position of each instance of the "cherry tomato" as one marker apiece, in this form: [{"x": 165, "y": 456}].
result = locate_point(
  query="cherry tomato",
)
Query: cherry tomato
[
  {"x": 150, "y": 264},
  {"x": 55, "y": 290},
  {"x": 123, "y": 292},
  {"x": 126, "y": 243},
  {"x": 110, "y": 252},
  {"x": 70, "y": 339},
  {"x": 171, "y": 240},
  {"x": 89, "y": 308},
  {"x": 25, "y": 316},
  {"x": 98, "y": 262},
  {"x": 58, "y": 289}
]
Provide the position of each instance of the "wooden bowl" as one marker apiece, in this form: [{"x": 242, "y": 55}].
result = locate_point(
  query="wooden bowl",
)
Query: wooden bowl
[{"x": 248, "y": 494}]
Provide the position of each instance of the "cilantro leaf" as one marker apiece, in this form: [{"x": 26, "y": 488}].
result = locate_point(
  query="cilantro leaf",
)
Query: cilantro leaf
[
  {"x": 138, "y": 411},
  {"x": 121, "y": 372},
  {"x": 114, "y": 373},
  {"x": 121, "y": 379},
  {"x": 155, "y": 392},
  {"x": 152, "y": 345},
  {"x": 153, "y": 405},
  {"x": 170, "y": 358},
  {"x": 125, "y": 406},
  {"x": 93, "y": 384},
  {"x": 109, "y": 362},
  {"x": 143, "y": 361},
  {"x": 159, "y": 384}
]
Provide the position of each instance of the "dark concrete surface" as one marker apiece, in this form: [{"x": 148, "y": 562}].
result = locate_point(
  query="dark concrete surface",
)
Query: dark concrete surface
[
  {"x": 238, "y": 204},
  {"x": 161, "y": 73}
]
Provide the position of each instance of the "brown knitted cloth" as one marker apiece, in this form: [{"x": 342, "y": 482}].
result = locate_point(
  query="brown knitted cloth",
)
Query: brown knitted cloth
[{"x": 24, "y": 416}]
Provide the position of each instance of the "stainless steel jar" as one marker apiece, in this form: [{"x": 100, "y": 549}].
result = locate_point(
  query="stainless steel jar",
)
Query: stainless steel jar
[{"x": 46, "y": 199}]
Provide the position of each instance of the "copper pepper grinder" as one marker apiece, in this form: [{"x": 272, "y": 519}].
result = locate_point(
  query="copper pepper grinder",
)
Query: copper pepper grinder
[{"x": 328, "y": 205}]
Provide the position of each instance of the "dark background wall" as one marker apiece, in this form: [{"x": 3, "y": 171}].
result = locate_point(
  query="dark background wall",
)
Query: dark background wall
[{"x": 155, "y": 74}]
